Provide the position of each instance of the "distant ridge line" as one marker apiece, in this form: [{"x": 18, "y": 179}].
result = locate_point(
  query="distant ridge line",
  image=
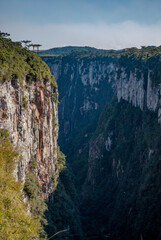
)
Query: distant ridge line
[{"x": 69, "y": 49}]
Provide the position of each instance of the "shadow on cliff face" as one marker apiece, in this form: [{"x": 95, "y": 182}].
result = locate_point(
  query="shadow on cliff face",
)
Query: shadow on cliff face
[{"x": 122, "y": 196}]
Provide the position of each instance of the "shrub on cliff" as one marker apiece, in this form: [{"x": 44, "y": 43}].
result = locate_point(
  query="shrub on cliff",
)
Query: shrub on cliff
[
  {"x": 15, "y": 222},
  {"x": 18, "y": 62}
]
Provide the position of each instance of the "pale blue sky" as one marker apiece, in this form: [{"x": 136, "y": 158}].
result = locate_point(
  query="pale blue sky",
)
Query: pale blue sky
[{"x": 99, "y": 23}]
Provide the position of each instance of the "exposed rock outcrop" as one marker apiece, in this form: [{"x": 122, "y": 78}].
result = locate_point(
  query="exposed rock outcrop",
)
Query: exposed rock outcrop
[
  {"x": 95, "y": 78},
  {"x": 116, "y": 159},
  {"x": 28, "y": 111}
]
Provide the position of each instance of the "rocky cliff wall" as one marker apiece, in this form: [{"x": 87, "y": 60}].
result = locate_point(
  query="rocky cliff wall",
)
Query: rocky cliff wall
[
  {"x": 115, "y": 159},
  {"x": 94, "y": 77},
  {"x": 28, "y": 111},
  {"x": 86, "y": 85},
  {"x": 123, "y": 174},
  {"x": 140, "y": 92},
  {"x": 84, "y": 89}
]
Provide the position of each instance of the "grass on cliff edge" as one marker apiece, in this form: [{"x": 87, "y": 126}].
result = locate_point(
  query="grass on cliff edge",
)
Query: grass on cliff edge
[
  {"x": 20, "y": 63},
  {"x": 15, "y": 223}
]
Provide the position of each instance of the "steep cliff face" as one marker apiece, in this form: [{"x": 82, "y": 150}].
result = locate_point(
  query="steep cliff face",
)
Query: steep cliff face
[
  {"x": 27, "y": 113},
  {"x": 81, "y": 83},
  {"x": 88, "y": 81},
  {"x": 139, "y": 91},
  {"x": 115, "y": 162},
  {"x": 101, "y": 77},
  {"x": 123, "y": 175}
]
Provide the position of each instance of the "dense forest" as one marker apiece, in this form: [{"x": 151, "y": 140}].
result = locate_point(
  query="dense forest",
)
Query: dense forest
[
  {"x": 105, "y": 180},
  {"x": 113, "y": 148},
  {"x": 25, "y": 213},
  {"x": 69, "y": 49}
]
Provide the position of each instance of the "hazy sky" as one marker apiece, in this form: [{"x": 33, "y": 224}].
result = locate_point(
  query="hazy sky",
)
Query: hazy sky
[{"x": 98, "y": 23}]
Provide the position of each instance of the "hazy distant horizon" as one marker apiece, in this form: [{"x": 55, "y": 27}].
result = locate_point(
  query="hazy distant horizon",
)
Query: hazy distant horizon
[
  {"x": 98, "y": 23},
  {"x": 93, "y": 47}
]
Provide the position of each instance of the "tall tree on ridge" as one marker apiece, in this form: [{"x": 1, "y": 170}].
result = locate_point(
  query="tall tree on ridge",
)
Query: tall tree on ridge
[{"x": 26, "y": 42}]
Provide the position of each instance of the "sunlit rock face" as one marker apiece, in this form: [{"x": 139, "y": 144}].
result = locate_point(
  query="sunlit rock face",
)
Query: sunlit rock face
[
  {"x": 109, "y": 113},
  {"x": 86, "y": 85},
  {"x": 27, "y": 113},
  {"x": 138, "y": 92}
]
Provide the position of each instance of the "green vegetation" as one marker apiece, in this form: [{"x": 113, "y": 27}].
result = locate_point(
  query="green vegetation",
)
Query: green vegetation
[
  {"x": 121, "y": 195},
  {"x": 33, "y": 164},
  {"x": 24, "y": 103},
  {"x": 81, "y": 52},
  {"x": 69, "y": 49},
  {"x": 18, "y": 62},
  {"x": 63, "y": 211},
  {"x": 144, "y": 59},
  {"x": 53, "y": 122},
  {"x": 60, "y": 164},
  {"x": 124, "y": 201},
  {"x": 26, "y": 43},
  {"x": 15, "y": 222},
  {"x": 33, "y": 190},
  {"x": 53, "y": 81}
]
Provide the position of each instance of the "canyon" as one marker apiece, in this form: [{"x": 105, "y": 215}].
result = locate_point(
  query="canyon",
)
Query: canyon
[
  {"x": 106, "y": 121},
  {"x": 109, "y": 116}
]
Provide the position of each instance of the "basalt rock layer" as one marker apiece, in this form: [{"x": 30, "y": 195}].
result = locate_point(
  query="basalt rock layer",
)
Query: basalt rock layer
[
  {"x": 28, "y": 111},
  {"x": 87, "y": 81},
  {"x": 110, "y": 114}
]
